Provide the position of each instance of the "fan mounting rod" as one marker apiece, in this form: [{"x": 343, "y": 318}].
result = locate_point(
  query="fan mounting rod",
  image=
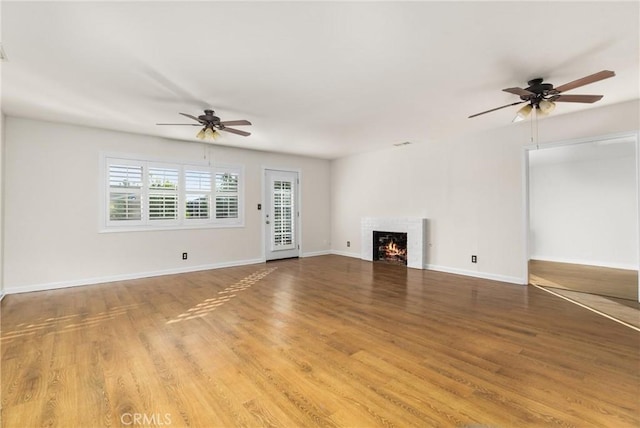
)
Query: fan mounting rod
[
  {"x": 537, "y": 87},
  {"x": 538, "y": 91},
  {"x": 209, "y": 117}
]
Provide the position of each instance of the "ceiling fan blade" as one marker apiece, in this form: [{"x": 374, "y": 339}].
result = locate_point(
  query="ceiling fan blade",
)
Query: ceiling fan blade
[
  {"x": 519, "y": 91},
  {"x": 192, "y": 117},
  {"x": 235, "y": 122},
  {"x": 236, "y": 131},
  {"x": 577, "y": 98},
  {"x": 604, "y": 74},
  {"x": 497, "y": 108},
  {"x": 183, "y": 124}
]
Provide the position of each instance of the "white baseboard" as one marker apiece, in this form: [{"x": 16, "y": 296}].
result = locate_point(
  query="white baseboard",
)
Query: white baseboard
[
  {"x": 316, "y": 253},
  {"x": 613, "y": 265},
  {"x": 472, "y": 273},
  {"x": 124, "y": 277},
  {"x": 346, "y": 254},
  {"x": 476, "y": 274}
]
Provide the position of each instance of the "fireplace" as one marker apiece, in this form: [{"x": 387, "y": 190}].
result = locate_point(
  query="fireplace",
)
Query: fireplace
[
  {"x": 390, "y": 247},
  {"x": 414, "y": 229}
]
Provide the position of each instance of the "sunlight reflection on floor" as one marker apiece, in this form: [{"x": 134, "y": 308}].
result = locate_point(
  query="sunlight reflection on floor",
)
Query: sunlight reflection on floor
[{"x": 209, "y": 305}]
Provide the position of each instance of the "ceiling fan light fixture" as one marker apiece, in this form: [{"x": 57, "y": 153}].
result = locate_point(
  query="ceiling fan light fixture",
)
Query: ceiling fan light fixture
[
  {"x": 211, "y": 133},
  {"x": 207, "y": 133},
  {"x": 523, "y": 113},
  {"x": 546, "y": 106}
]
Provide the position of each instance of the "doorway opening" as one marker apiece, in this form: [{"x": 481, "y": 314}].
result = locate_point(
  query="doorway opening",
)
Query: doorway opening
[{"x": 582, "y": 228}]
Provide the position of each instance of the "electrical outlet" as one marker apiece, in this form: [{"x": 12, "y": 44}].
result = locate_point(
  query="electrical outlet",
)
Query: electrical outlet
[
  {"x": 474, "y": 259},
  {"x": 184, "y": 256},
  {"x": 348, "y": 243}
]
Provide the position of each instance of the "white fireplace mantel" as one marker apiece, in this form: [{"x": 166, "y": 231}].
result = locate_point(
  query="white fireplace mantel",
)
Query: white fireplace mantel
[{"x": 414, "y": 227}]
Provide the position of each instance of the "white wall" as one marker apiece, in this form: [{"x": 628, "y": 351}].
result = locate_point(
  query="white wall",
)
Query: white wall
[
  {"x": 52, "y": 188},
  {"x": 583, "y": 204},
  {"x": 2, "y": 128},
  {"x": 470, "y": 188},
  {"x": 1, "y": 179}
]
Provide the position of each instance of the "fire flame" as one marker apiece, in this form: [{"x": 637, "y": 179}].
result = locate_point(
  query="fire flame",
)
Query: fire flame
[{"x": 392, "y": 250}]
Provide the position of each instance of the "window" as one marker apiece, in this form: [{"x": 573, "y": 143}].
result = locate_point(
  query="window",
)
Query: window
[
  {"x": 143, "y": 195},
  {"x": 197, "y": 194},
  {"x": 226, "y": 194},
  {"x": 125, "y": 191},
  {"x": 163, "y": 193}
]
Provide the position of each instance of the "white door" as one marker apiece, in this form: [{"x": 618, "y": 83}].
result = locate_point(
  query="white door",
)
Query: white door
[{"x": 281, "y": 214}]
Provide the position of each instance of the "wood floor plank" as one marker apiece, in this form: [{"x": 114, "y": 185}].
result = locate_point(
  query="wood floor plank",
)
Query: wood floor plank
[
  {"x": 322, "y": 341},
  {"x": 620, "y": 283}
]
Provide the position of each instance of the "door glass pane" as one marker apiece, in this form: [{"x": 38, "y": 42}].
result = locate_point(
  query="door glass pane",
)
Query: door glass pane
[{"x": 283, "y": 213}]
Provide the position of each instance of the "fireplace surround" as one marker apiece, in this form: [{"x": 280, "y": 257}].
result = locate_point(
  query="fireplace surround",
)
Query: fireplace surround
[{"x": 414, "y": 227}]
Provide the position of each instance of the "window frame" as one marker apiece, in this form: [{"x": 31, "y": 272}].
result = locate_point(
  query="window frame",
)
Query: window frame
[
  {"x": 208, "y": 194},
  {"x": 127, "y": 190},
  {"x": 227, "y": 169},
  {"x": 149, "y": 190},
  {"x": 106, "y": 224}
]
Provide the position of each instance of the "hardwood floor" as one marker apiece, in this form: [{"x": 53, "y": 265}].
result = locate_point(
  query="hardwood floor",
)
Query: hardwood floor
[
  {"x": 619, "y": 283},
  {"x": 321, "y": 341},
  {"x": 623, "y": 310}
]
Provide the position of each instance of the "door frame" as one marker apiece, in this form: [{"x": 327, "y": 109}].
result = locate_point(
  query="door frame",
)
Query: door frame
[
  {"x": 635, "y": 135},
  {"x": 298, "y": 228}
]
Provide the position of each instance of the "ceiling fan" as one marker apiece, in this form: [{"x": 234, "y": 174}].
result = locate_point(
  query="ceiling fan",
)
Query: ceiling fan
[
  {"x": 543, "y": 96},
  {"x": 211, "y": 124}
]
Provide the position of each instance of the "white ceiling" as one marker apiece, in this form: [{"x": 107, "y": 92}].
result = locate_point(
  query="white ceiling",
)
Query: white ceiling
[{"x": 324, "y": 79}]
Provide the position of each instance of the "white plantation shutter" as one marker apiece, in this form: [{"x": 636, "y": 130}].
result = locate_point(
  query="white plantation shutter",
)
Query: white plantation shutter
[
  {"x": 197, "y": 194},
  {"x": 162, "y": 193},
  {"x": 141, "y": 195},
  {"x": 227, "y": 195},
  {"x": 283, "y": 209},
  {"x": 125, "y": 193}
]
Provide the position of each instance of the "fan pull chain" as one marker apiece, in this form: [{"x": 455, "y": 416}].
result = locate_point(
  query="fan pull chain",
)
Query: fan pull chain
[
  {"x": 206, "y": 153},
  {"x": 534, "y": 129},
  {"x": 533, "y": 137},
  {"x": 537, "y": 132}
]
